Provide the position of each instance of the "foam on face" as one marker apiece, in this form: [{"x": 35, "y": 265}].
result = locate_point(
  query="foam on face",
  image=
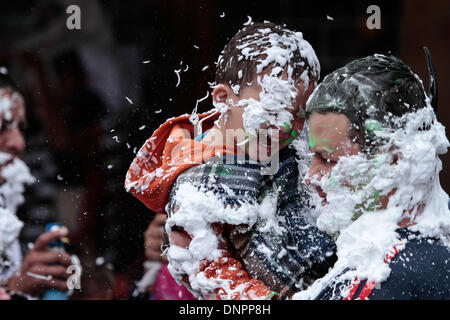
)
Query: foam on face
[
  {"x": 364, "y": 232},
  {"x": 16, "y": 175},
  {"x": 274, "y": 106},
  {"x": 8, "y": 100},
  {"x": 278, "y": 89}
]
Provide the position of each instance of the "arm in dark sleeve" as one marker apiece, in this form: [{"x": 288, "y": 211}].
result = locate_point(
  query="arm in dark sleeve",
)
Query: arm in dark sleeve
[{"x": 419, "y": 272}]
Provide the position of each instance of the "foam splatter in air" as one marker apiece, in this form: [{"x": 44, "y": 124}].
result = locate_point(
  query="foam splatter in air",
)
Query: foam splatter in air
[
  {"x": 281, "y": 60},
  {"x": 274, "y": 106}
]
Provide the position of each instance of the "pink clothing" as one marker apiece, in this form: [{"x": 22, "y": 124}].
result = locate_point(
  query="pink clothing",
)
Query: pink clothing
[
  {"x": 4, "y": 295},
  {"x": 166, "y": 288}
]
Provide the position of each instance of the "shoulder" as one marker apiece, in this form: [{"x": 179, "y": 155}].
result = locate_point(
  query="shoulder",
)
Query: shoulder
[
  {"x": 420, "y": 271},
  {"x": 423, "y": 255}
]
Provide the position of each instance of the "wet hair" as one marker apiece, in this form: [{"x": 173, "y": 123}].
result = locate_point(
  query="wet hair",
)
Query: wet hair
[
  {"x": 370, "y": 92},
  {"x": 235, "y": 68}
]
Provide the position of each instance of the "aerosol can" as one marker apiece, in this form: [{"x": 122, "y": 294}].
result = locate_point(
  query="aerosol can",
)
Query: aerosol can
[{"x": 58, "y": 245}]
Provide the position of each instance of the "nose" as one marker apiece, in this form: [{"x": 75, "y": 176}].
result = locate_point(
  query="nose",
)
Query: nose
[{"x": 12, "y": 141}]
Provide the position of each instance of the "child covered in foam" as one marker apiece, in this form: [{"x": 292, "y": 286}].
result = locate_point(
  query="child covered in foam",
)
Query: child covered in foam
[
  {"x": 376, "y": 144},
  {"x": 231, "y": 215}
]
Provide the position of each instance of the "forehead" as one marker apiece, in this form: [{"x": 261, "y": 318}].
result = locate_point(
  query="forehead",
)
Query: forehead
[
  {"x": 11, "y": 104},
  {"x": 255, "y": 83},
  {"x": 329, "y": 123},
  {"x": 328, "y": 130}
]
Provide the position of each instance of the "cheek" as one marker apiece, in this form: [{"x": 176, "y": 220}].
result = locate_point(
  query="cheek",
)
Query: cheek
[
  {"x": 317, "y": 170},
  {"x": 349, "y": 148}
]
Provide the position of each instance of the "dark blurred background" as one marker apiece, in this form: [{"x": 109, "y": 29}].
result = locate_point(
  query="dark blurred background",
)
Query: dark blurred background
[{"x": 94, "y": 95}]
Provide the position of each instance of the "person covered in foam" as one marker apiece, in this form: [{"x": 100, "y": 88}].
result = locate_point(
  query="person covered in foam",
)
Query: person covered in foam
[
  {"x": 27, "y": 277},
  {"x": 375, "y": 172},
  {"x": 231, "y": 213},
  {"x": 14, "y": 175}
]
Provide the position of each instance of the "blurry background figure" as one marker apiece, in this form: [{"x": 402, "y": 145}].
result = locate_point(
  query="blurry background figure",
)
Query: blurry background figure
[
  {"x": 42, "y": 269},
  {"x": 157, "y": 283},
  {"x": 78, "y": 147},
  {"x": 94, "y": 95}
]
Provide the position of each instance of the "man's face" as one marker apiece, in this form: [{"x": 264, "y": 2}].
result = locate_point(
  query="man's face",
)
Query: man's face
[
  {"x": 13, "y": 122},
  {"x": 329, "y": 140},
  {"x": 262, "y": 147},
  {"x": 14, "y": 173}
]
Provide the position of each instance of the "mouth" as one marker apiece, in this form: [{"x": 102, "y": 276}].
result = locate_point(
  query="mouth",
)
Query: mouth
[{"x": 323, "y": 195}]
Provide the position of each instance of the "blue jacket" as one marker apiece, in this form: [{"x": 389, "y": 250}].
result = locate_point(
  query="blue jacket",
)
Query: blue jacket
[{"x": 421, "y": 271}]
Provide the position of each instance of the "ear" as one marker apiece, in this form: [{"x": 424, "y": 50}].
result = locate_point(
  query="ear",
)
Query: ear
[{"x": 222, "y": 93}]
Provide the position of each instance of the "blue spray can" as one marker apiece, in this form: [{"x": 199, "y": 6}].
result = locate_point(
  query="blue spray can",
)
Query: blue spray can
[{"x": 56, "y": 245}]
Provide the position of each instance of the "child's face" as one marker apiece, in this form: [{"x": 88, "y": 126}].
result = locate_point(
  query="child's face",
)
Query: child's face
[{"x": 264, "y": 149}]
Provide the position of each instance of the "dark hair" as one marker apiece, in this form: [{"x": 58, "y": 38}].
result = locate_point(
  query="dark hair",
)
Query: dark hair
[
  {"x": 256, "y": 38},
  {"x": 370, "y": 92}
]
